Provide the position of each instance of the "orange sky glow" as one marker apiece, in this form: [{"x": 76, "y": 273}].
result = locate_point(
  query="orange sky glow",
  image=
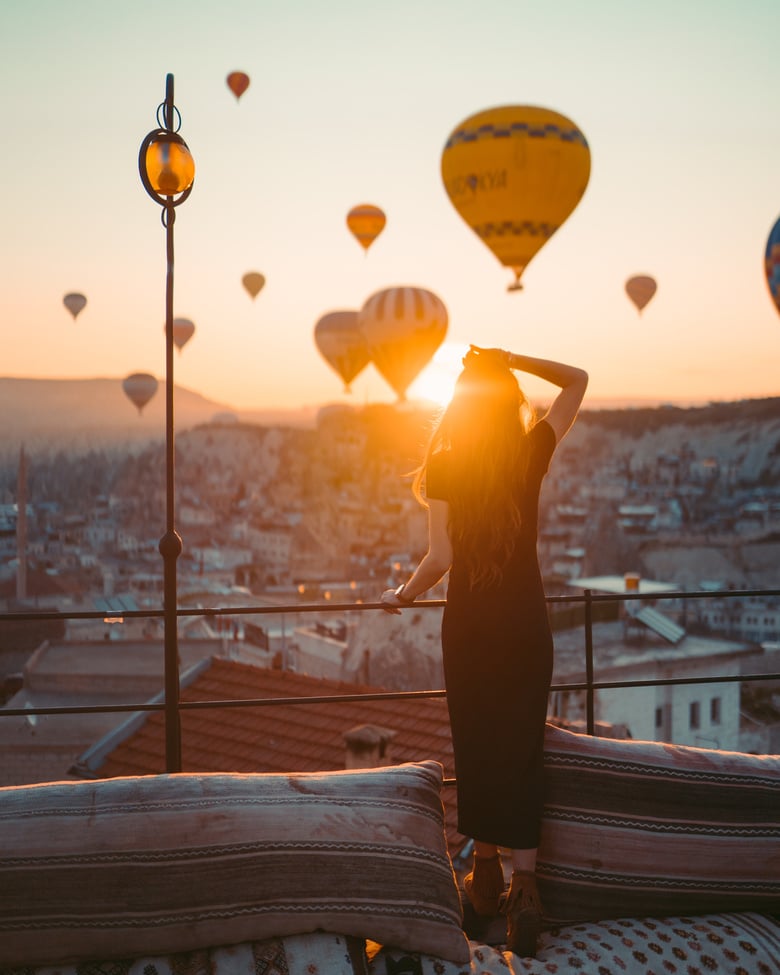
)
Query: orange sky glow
[{"x": 351, "y": 102}]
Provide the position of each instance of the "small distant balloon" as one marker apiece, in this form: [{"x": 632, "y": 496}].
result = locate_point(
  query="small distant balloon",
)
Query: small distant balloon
[
  {"x": 253, "y": 281},
  {"x": 139, "y": 388},
  {"x": 183, "y": 330},
  {"x": 238, "y": 82},
  {"x": 342, "y": 344},
  {"x": 366, "y": 222},
  {"x": 75, "y": 303},
  {"x": 640, "y": 289},
  {"x": 772, "y": 264}
]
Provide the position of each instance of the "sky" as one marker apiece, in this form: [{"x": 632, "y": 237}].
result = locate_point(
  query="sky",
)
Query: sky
[{"x": 351, "y": 101}]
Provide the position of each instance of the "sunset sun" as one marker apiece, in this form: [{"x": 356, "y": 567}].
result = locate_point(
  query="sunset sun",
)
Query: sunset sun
[{"x": 436, "y": 382}]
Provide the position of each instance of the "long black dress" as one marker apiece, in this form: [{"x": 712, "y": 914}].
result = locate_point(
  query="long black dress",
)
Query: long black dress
[{"x": 498, "y": 659}]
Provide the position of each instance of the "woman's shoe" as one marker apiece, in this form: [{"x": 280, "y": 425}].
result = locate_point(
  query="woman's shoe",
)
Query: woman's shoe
[
  {"x": 485, "y": 884},
  {"x": 523, "y": 910}
]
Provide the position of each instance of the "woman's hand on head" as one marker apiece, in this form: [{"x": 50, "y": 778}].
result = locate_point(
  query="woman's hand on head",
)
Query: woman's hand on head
[
  {"x": 500, "y": 354},
  {"x": 390, "y": 602}
]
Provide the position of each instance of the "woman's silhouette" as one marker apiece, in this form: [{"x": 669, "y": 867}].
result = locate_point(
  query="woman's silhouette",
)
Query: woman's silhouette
[{"x": 480, "y": 480}]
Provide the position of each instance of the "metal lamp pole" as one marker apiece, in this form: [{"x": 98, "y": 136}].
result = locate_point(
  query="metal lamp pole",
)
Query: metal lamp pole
[{"x": 167, "y": 172}]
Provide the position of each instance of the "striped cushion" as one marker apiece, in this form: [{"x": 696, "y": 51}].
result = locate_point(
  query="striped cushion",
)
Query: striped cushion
[
  {"x": 142, "y": 865},
  {"x": 635, "y": 829}
]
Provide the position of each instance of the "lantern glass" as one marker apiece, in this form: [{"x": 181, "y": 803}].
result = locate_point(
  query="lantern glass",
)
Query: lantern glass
[{"x": 169, "y": 166}]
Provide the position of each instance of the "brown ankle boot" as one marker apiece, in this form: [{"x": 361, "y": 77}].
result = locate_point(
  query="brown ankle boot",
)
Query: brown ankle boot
[
  {"x": 523, "y": 911},
  {"x": 485, "y": 884}
]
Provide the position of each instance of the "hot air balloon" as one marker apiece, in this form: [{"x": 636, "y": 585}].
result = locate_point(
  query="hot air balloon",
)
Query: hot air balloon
[
  {"x": 253, "y": 281},
  {"x": 139, "y": 388},
  {"x": 342, "y": 344},
  {"x": 74, "y": 303},
  {"x": 183, "y": 330},
  {"x": 403, "y": 328},
  {"x": 772, "y": 263},
  {"x": 640, "y": 289},
  {"x": 515, "y": 174},
  {"x": 366, "y": 223},
  {"x": 238, "y": 82}
]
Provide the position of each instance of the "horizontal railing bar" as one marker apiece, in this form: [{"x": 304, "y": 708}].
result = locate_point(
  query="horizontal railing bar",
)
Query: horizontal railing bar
[
  {"x": 330, "y": 607},
  {"x": 378, "y": 696}
]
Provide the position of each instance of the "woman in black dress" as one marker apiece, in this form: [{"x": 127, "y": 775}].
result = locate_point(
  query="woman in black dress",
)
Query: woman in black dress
[{"x": 480, "y": 481}]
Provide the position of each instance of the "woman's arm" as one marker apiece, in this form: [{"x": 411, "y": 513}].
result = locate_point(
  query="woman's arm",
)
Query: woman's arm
[
  {"x": 432, "y": 565},
  {"x": 572, "y": 381}
]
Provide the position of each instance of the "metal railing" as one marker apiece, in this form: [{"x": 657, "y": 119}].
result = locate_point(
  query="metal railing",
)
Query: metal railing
[{"x": 590, "y": 685}]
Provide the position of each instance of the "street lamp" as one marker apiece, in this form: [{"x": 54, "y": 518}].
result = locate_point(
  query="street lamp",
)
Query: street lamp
[{"x": 167, "y": 172}]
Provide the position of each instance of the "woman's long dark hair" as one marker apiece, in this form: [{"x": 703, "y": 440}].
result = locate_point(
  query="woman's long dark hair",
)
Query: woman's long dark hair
[{"x": 484, "y": 429}]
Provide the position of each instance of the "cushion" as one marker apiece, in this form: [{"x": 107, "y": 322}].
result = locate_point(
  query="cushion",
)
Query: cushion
[
  {"x": 298, "y": 954},
  {"x": 738, "y": 944},
  {"x": 636, "y": 828},
  {"x": 154, "y": 864}
]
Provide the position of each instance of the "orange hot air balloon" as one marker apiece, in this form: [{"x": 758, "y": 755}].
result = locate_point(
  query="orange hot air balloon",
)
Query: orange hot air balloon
[
  {"x": 366, "y": 223},
  {"x": 253, "y": 281},
  {"x": 238, "y": 82},
  {"x": 640, "y": 289},
  {"x": 342, "y": 344},
  {"x": 183, "y": 330},
  {"x": 403, "y": 327},
  {"x": 515, "y": 174},
  {"x": 139, "y": 388},
  {"x": 75, "y": 303}
]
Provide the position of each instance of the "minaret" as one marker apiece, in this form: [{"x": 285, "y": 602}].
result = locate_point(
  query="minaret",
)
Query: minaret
[{"x": 21, "y": 528}]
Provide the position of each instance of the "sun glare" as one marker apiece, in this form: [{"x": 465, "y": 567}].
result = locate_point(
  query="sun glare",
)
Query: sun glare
[{"x": 437, "y": 381}]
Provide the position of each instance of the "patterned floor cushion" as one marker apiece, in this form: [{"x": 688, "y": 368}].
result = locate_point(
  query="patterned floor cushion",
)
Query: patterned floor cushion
[
  {"x": 726, "y": 944},
  {"x": 642, "y": 828},
  {"x": 301, "y": 954},
  {"x": 120, "y": 867}
]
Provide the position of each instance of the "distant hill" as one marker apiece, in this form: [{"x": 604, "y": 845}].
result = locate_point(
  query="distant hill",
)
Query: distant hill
[
  {"x": 96, "y": 412},
  {"x": 86, "y": 413}
]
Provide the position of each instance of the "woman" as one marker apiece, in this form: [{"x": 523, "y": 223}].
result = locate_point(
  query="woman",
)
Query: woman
[{"x": 480, "y": 480}]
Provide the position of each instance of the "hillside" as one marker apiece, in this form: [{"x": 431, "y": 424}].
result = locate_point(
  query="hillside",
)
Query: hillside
[
  {"x": 86, "y": 413},
  {"x": 743, "y": 437}
]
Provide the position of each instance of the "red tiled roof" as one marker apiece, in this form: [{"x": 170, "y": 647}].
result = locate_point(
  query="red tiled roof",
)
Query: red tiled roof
[{"x": 286, "y": 737}]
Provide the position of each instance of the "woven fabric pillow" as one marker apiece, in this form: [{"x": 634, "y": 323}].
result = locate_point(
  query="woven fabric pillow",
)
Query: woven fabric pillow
[
  {"x": 635, "y": 829},
  {"x": 156, "y": 864}
]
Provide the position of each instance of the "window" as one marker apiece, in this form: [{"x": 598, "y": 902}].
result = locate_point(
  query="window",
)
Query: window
[
  {"x": 715, "y": 710},
  {"x": 695, "y": 715},
  {"x": 659, "y": 717}
]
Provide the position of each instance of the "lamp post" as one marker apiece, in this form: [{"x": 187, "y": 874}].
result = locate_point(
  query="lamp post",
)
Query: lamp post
[{"x": 167, "y": 172}]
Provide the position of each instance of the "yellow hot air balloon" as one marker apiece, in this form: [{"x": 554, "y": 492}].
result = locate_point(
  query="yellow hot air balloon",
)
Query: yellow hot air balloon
[
  {"x": 253, "y": 281},
  {"x": 342, "y": 344},
  {"x": 640, "y": 289},
  {"x": 403, "y": 327},
  {"x": 139, "y": 388},
  {"x": 238, "y": 82},
  {"x": 366, "y": 223},
  {"x": 75, "y": 303},
  {"x": 514, "y": 174}
]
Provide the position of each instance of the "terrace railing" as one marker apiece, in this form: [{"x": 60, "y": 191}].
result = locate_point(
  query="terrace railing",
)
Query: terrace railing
[{"x": 588, "y": 600}]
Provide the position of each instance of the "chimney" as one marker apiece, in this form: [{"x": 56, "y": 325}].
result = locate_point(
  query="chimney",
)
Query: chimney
[
  {"x": 368, "y": 746},
  {"x": 631, "y": 580}
]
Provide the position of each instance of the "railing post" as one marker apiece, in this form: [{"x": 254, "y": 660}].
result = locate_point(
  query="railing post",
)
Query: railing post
[{"x": 591, "y": 722}]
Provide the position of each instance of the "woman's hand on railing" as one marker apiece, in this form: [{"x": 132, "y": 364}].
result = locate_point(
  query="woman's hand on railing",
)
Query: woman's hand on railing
[{"x": 391, "y": 602}]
